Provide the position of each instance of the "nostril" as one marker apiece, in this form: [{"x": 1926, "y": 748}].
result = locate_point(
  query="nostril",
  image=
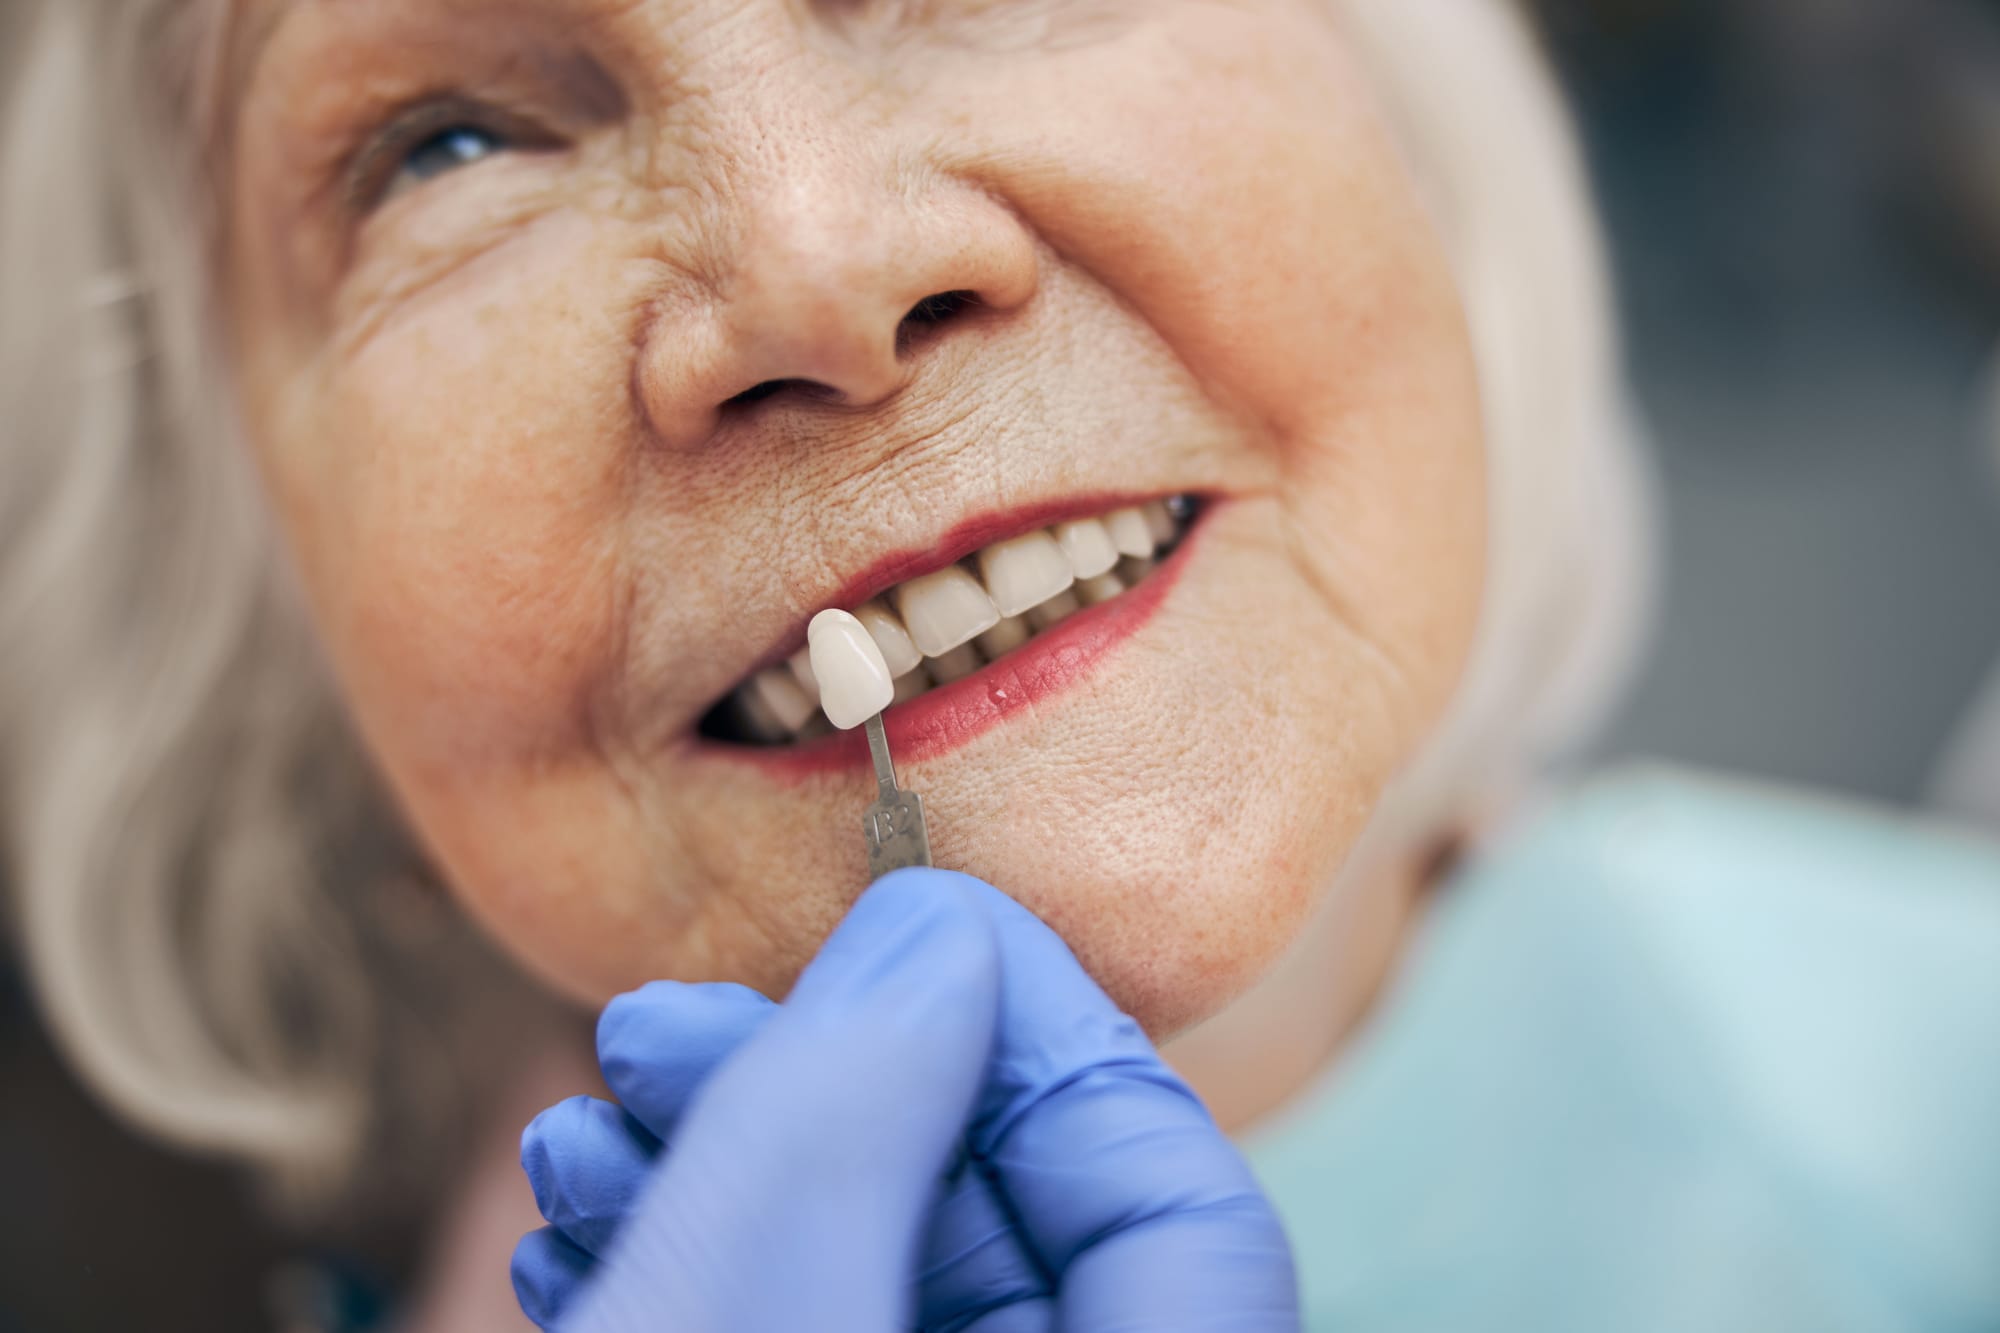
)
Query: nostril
[
  {"x": 940, "y": 307},
  {"x": 926, "y": 315},
  {"x": 932, "y": 311},
  {"x": 757, "y": 393}
]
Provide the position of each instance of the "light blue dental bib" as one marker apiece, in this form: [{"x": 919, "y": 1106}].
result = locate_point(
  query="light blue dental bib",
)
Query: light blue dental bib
[{"x": 1677, "y": 1055}]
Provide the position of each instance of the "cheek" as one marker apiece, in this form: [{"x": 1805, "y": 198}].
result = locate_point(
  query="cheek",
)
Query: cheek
[
  {"x": 1274, "y": 241},
  {"x": 458, "y": 514},
  {"x": 1279, "y": 250}
]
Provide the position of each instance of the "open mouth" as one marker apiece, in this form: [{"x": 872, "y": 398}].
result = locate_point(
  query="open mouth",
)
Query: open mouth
[{"x": 945, "y": 624}]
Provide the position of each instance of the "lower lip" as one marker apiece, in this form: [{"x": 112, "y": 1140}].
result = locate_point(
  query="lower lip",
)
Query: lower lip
[{"x": 946, "y": 717}]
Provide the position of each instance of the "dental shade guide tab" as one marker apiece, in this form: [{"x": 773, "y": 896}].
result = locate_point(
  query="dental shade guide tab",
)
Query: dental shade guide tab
[
  {"x": 894, "y": 825},
  {"x": 855, "y": 687}
]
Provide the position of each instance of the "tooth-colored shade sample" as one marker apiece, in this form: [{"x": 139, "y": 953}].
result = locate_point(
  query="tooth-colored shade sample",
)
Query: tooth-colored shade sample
[
  {"x": 1100, "y": 589},
  {"x": 1024, "y": 572},
  {"x": 854, "y": 681},
  {"x": 957, "y": 664},
  {"x": 897, "y": 648},
  {"x": 1160, "y": 521},
  {"x": 1088, "y": 547},
  {"x": 1054, "y": 611},
  {"x": 780, "y": 693},
  {"x": 1130, "y": 532},
  {"x": 944, "y": 609},
  {"x": 1004, "y": 637}
]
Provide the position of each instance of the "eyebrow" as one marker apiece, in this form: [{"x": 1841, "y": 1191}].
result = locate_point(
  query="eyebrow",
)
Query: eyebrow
[{"x": 585, "y": 79}]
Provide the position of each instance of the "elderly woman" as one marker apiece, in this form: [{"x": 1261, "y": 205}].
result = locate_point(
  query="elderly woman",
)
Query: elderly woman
[{"x": 432, "y": 423}]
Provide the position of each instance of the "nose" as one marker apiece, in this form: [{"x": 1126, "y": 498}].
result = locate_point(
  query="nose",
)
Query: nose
[{"x": 839, "y": 283}]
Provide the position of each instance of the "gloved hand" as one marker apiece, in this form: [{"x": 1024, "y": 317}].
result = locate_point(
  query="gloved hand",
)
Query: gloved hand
[{"x": 947, "y": 1124}]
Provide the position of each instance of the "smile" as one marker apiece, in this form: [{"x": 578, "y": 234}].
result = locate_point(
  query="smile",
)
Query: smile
[{"x": 982, "y": 619}]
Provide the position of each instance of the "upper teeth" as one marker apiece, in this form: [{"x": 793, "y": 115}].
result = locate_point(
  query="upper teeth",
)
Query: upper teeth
[
  {"x": 941, "y": 626},
  {"x": 1024, "y": 572},
  {"x": 944, "y": 610}
]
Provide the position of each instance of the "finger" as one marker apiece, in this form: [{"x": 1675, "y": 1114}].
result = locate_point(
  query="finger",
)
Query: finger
[
  {"x": 1150, "y": 1220},
  {"x": 586, "y": 1161},
  {"x": 657, "y": 1044},
  {"x": 548, "y": 1271},
  {"x": 804, "y": 1168},
  {"x": 974, "y": 1273},
  {"x": 1124, "y": 1189},
  {"x": 1035, "y": 1316}
]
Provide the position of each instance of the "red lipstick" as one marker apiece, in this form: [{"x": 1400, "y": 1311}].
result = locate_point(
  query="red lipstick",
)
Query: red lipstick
[{"x": 949, "y": 716}]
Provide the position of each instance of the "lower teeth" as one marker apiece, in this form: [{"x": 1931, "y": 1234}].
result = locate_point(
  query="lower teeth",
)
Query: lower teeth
[{"x": 779, "y": 705}]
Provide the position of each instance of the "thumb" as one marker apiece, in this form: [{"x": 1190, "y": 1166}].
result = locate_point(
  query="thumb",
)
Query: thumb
[{"x": 804, "y": 1169}]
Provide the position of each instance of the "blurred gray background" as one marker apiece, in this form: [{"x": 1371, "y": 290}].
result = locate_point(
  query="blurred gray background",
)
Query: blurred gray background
[{"x": 1804, "y": 203}]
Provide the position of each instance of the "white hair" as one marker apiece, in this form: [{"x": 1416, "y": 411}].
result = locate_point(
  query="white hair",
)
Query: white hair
[
  {"x": 1573, "y": 539},
  {"x": 202, "y": 866},
  {"x": 221, "y": 921}
]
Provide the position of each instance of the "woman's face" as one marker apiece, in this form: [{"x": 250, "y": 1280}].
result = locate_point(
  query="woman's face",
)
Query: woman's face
[{"x": 586, "y": 351}]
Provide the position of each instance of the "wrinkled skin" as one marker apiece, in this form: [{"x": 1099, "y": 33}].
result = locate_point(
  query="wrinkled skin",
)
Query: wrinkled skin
[{"x": 491, "y": 407}]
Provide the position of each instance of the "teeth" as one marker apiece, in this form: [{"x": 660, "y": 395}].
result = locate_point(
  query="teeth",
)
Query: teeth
[
  {"x": 945, "y": 609},
  {"x": 777, "y": 691},
  {"x": 944, "y": 626},
  {"x": 1130, "y": 533},
  {"x": 1131, "y": 569},
  {"x": 855, "y": 680},
  {"x": 1100, "y": 589},
  {"x": 757, "y": 719},
  {"x": 802, "y": 672},
  {"x": 957, "y": 664},
  {"x": 1004, "y": 637},
  {"x": 1088, "y": 547},
  {"x": 899, "y": 654},
  {"x": 910, "y": 686},
  {"x": 1025, "y": 572},
  {"x": 1054, "y": 611}
]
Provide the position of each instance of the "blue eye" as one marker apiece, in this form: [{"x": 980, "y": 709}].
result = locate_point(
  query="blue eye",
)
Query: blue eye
[{"x": 447, "y": 150}]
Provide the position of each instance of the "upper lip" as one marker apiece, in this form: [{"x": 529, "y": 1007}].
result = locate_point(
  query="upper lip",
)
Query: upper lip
[{"x": 964, "y": 538}]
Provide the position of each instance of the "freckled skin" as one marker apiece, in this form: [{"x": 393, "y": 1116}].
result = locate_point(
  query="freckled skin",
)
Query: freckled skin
[{"x": 491, "y": 414}]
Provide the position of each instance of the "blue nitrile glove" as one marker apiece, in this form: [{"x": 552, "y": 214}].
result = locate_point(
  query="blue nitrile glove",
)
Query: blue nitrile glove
[{"x": 947, "y": 1124}]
